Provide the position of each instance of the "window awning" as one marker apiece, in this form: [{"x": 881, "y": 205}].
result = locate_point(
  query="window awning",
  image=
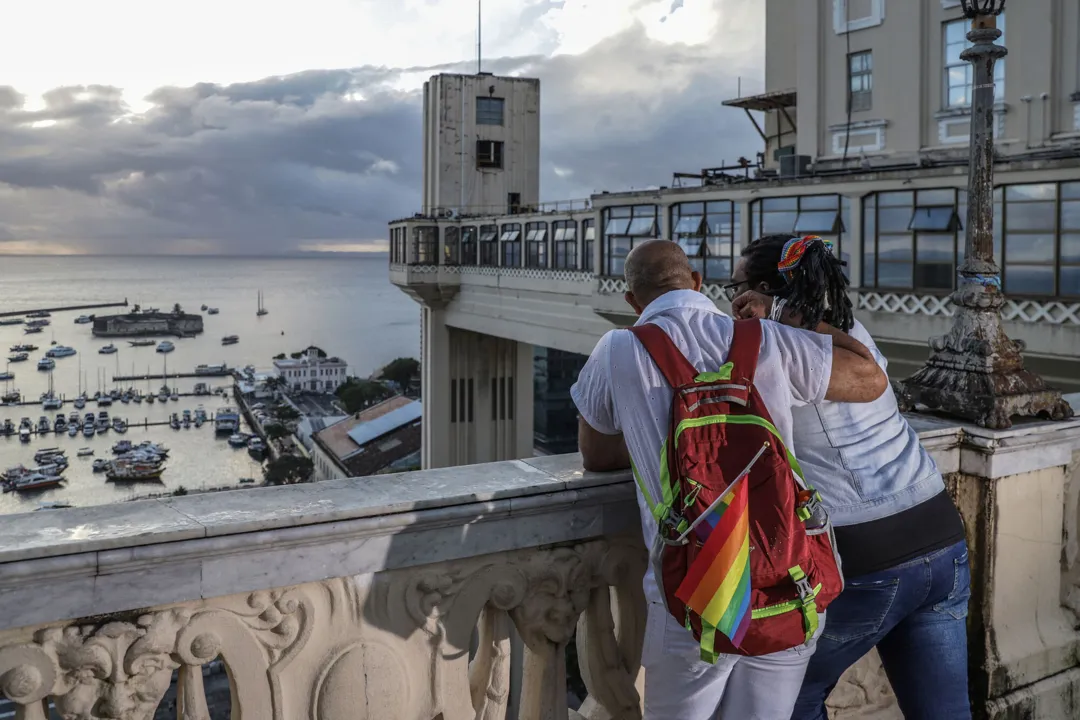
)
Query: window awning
[
  {"x": 818, "y": 222},
  {"x": 775, "y": 100},
  {"x": 935, "y": 219},
  {"x": 690, "y": 225}
]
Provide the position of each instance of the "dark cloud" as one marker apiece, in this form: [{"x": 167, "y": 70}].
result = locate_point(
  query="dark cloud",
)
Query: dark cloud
[{"x": 331, "y": 155}]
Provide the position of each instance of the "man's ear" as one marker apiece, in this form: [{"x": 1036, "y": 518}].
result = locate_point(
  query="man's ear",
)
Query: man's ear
[
  {"x": 763, "y": 287},
  {"x": 697, "y": 280},
  {"x": 632, "y": 302}
]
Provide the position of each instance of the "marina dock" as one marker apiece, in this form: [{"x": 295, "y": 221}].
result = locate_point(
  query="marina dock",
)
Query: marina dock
[
  {"x": 158, "y": 376},
  {"x": 64, "y": 308}
]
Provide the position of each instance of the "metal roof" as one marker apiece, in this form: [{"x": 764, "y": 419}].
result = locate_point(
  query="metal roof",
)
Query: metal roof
[
  {"x": 364, "y": 433},
  {"x": 775, "y": 100}
]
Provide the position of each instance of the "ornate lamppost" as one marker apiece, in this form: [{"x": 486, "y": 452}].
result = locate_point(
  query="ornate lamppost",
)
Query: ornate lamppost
[{"x": 975, "y": 371}]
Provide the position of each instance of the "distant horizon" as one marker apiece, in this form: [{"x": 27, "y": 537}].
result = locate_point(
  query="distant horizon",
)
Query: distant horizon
[{"x": 298, "y": 255}]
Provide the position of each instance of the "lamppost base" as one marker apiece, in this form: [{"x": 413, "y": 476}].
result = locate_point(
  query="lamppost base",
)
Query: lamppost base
[{"x": 977, "y": 373}]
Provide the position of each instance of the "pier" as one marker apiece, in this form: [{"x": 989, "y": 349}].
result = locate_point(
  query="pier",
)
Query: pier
[
  {"x": 160, "y": 376},
  {"x": 65, "y": 308}
]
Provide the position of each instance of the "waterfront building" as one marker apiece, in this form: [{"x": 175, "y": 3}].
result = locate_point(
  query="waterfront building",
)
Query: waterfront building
[
  {"x": 864, "y": 126},
  {"x": 312, "y": 371},
  {"x": 381, "y": 438}
]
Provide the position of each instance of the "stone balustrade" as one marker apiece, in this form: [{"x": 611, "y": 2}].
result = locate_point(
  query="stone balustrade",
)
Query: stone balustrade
[{"x": 453, "y": 593}]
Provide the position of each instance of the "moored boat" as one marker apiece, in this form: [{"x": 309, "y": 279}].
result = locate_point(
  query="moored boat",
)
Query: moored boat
[
  {"x": 230, "y": 339},
  {"x": 107, "y": 349},
  {"x": 165, "y": 347},
  {"x": 85, "y": 452}
]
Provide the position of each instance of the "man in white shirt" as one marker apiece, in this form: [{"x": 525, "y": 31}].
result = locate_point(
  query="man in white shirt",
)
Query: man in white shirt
[{"x": 625, "y": 408}]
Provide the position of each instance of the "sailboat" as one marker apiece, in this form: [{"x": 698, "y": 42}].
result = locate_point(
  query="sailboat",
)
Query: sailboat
[
  {"x": 80, "y": 400},
  {"x": 262, "y": 310}
]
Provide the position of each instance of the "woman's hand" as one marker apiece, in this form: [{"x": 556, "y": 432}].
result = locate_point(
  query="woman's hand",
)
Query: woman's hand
[{"x": 752, "y": 304}]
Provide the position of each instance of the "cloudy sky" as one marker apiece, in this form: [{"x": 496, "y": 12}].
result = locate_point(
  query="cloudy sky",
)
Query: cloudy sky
[{"x": 242, "y": 126}]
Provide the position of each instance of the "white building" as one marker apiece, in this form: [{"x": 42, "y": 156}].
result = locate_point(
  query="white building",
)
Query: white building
[{"x": 311, "y": 372}]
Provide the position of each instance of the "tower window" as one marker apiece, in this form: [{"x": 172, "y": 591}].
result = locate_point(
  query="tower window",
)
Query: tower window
[
  {"x": 489, "y": 111},
  {"x": 489, "y": 154}
]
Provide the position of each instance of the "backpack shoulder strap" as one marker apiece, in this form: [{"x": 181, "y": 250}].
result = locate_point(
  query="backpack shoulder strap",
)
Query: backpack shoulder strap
[
  {"x": 745, "y": 348},
  {"x": 674, "y": 366}
]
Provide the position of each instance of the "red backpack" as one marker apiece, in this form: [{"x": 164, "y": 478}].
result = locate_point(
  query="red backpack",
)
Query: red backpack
[{"x": 744, "y": 554}]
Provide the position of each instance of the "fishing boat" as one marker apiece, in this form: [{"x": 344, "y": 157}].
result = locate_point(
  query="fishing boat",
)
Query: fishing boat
[
  {"x": 107, "y": 349},
  {"x": 238, "y": 440},
  {"x": 230, "y": 339},
  {"x": 19, "y": 357},
  {"x": 140, "y": 343},
  {"x": 165, "y": 347},
  {"x": 85, "y": 452},
  {"x": 7, "y": 375},
  {"x": 84, "y": 320},
  {"x": 226, "y": 420},
  {"x": 133, "y": 470},
  {"x": 60, "y": 351},
  {"x": 23, "y": 348},
  {"x": 262, "y": 310},
  {"x": 32, "y": 330},
  {"x": 46, "y": 363}
]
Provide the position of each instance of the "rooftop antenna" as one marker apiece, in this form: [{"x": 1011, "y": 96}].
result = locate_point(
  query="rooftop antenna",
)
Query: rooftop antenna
[{"x": 479, "y": 21}]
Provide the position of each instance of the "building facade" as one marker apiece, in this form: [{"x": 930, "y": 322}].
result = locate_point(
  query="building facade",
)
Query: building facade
[
  {"x": 888, "y": 186},
  {"x": 312, "y": 372}
]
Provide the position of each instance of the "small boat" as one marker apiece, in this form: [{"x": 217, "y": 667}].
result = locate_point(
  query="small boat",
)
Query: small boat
[
  {"x": 115, "y": 394},
  {"x": 85, "y": 452},
  {"x": 133, "y": 470},
  {"x": 11, "y": 321},
  {"x": 230, "y": 339},
  {"x": 256, "y": 444},
  {"x": 99, "y": 465},
  {"x": 6, "y": 375},
  {"x": 150, "y": 397},
  {"x": 212, "y": 369},
  {"x": 174, "y": 397},
  {"x": 60, "y": 426},
  {"x": 203, "y": 308},
  {"x": 201, "y": 389},
  {"x": 238, "y": 440},
  {"x": 118, "y": 425},
  {"x": 165, "y": 347},
  {"x": 46, "y": 363},
  {"x": 42, "y": 456},
  {"x": 122, "y": 447},
  {"x": 19, "y": 357},
  {"x": 43, "y": 425},
  {"x": 24, "y": 434},
  {"x": 84, "y": 320},
  {"x": 73, "y": 430},
  {"x": 88, "y": 430},
  {"x": 247, "y": 481},
  {"x": 39, "y": 314},
  {"x": 262, "y": 310},
  {"x": 33, "y": 481},
  {"x": 37, "y": 323},
  {"x": 140, "y": 343},
  {"x": 32, "y": 330},
  {"x": 212, "y": 311},
  {"x": 49, "y": 401},
  {"x": 104, "y": 400},
  {"x": 8, "y": 427},
  {"x": 80, "y": 402},
  {"x": 60, "y": 351},
  {"x": 54, "y": 505},
  {"x": 107, "y": 349},
  {"x": 23, "y": 348},
  {"x": 174, "y": 422},
  {"x": 125, "y": 398},
  {"x": 10, "y": 398},
  {"x": 186, "y": 422}
]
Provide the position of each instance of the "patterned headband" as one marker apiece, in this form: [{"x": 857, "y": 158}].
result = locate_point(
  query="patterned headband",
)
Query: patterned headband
[{"x": 793, "y": 252}]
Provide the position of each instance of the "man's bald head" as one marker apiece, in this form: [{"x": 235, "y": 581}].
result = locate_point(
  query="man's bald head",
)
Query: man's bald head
[{"x": 656, "y": 267}]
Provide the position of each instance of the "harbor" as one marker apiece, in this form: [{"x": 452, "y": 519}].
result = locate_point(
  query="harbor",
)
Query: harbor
[{"x": 63, "y": 308}]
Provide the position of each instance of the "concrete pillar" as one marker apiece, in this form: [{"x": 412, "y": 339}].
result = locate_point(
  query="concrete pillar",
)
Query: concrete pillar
[
  {"x": 524, "y": 398},
  {"x": 435, "y": 379}
]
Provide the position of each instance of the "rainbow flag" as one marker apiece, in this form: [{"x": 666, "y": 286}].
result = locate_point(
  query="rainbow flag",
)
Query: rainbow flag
[{"x": 717, "y": 585}]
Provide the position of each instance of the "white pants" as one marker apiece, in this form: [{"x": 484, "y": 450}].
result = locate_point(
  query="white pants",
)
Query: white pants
[{"x": 680, "y": 686}]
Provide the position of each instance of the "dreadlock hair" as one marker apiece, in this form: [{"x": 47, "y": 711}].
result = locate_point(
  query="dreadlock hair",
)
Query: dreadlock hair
[{"x": 815, "y": 286}]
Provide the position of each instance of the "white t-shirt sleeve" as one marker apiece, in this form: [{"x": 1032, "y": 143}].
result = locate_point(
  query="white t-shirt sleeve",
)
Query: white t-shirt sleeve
[
  {"x": 806, "y": 359},
  {"x": 592, "y": 392}
]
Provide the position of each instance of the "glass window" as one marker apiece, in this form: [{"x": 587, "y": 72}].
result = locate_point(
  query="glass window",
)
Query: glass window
[
  {"x": 489, "y": 245},
  {"x": 1070, "y": 215},
  {"x": 451, "y": 247},
  {"x": 957, "y": 83},
  {"x": 425, "y": 245},
  {"x": 1070, "y": 280},
  {"x": 565, "y": 244},
  {"x": 589, "y": 241},
  {"x": 708, "y": 234},
  {"x": 1030, "y": 279},
  {"x": 909, "y": 243},
  {"x": 935, "y": 219},
  {"x": 1030, "y": 216},
  {"x": 468, "y": 245},
  {"x": 489, "y": 111},
  {"x": 869, "y": 259},
  {"x": 860, "y": 80},
  {"x": 624, "y": 227},
  {"x": 1029, "y": 248},
  {"x": 489, "y": 154},
  {"x": 536, "y": 243},
  {"x": 510, "y": 242}
]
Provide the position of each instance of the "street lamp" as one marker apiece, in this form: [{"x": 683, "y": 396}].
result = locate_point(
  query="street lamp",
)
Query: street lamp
[{"x": 975, "y": 371}]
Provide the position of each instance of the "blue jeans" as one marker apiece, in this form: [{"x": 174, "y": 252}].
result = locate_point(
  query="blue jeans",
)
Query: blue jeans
[{"x": 915, "y": 614}]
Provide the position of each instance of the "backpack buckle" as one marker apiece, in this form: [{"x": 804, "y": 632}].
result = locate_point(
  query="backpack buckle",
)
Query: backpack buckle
[
  {"x": 805, "y": 591},
  {"x": 670, "y": 526}
]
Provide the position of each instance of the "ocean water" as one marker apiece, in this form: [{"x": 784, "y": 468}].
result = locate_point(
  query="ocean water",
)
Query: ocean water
[{"x": 346, "y": 306}]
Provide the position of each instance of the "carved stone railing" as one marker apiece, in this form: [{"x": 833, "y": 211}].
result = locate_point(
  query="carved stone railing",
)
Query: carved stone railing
[{"x": 455, "y": 593}]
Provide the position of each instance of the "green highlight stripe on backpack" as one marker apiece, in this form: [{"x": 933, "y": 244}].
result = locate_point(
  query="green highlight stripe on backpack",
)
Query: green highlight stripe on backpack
[{"x": 739, "y": 420}]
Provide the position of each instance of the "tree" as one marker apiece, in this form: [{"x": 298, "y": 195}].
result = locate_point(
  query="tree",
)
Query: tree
[
  {"x": 177, "y": 310},
  {"x": 301, "y": 353},
  {"x": 180, "y": 491},
  {"x": 279, "y": 356},
  {"x": 401, "y": 371},
  {"x": 275, "y": 383},
  {"x": 357, "y": 394},
  {"x": 289, "y": 470},
  {"x": 276, "y": 431},
  {"x": 285, "y": 413}
]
